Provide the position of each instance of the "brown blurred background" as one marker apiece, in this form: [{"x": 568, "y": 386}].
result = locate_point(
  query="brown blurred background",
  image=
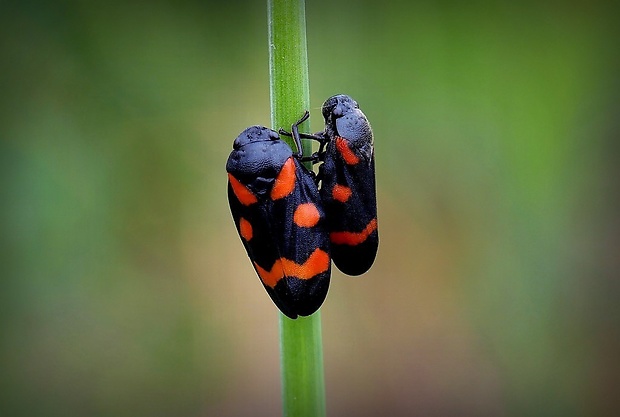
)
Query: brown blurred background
[{"x": 126, "y": 290}]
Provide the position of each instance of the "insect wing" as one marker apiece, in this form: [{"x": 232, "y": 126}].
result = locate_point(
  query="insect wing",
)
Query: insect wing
[
  {"x": 348, "y": 192},
  {"x": 285, "y": 236}
]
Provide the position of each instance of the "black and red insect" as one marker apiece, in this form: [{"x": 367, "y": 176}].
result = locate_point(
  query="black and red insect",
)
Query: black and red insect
[
  {"x": 348, "y": 190},
  {"x": 277, "y": 210}
]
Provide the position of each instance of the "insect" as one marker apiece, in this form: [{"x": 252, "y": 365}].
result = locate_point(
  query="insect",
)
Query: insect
[
  {"x": 277, "y": 210},
  {"x": 347, "y": 178}
]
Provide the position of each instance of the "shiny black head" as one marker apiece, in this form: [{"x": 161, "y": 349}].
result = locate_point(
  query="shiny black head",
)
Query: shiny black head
[
  {"x": 255, "y": 134},
  {"x": 344, "y": 118},
  {"x": 337, "y": 106},
  {"x": 257, "y": 157}
]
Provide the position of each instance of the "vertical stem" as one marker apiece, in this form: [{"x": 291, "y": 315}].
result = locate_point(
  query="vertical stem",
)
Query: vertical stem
[
  {"x": 288, "y": 63},
  {"x": 301, "y": 349},
  {"x": 301, "y": 346}
]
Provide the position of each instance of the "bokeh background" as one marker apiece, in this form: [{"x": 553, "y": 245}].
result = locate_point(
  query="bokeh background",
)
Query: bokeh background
[{"x": 126, "y": 291}]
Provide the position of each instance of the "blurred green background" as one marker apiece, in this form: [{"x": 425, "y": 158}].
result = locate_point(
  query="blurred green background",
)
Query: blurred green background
[{"x": 126, "y": 290}]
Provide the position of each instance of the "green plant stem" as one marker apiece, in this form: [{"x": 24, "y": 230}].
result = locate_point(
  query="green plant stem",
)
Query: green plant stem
[
  {"x": 301, "y": 346},
  {"x": 288, "y": 64},
  {"x": 301, "y": 349}
]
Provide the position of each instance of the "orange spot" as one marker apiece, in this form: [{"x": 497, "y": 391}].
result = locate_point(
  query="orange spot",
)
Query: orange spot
[
  {"x": 341, "y": 193},
  {"x": 347, "y": 154},
  {"x": 245, "y": 229},
  {"x": 352, "y": 238},
  {"x": 317, "y": 262},
  {"x": 271, "y": 278},
  {"x": 285, "y": 181},
  {"x": 306, "y": 215},
  {"x": 244, "y": 195}
]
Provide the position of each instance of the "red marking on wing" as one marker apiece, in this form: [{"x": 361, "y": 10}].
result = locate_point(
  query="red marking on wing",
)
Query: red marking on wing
[
  {"x": 341, "y": 193},
  {"x": 347, "y": 154},
  {"x": 353, "y": 238},
  {"x": 243, "y": 194},
  {"x": 306, "y": 215},
  {"x": 245, "y": 229},
  {"x": 270, "y": 278},
  {"x": 317, "y": 262},
  {"x": 285, "y": 181}
]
